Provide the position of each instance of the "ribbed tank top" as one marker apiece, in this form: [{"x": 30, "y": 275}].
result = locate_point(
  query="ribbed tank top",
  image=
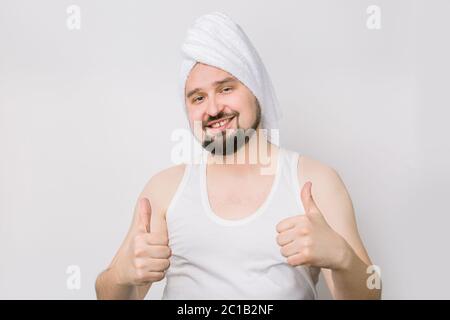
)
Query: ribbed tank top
[{"x": 217, "y": 258}]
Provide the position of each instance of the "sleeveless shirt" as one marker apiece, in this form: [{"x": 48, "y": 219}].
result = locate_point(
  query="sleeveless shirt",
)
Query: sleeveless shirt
[{"x": 217, "y": 258}]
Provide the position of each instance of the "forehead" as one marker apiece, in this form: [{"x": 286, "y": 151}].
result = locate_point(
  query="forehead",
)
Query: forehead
[{"x": 203, "y": 75}]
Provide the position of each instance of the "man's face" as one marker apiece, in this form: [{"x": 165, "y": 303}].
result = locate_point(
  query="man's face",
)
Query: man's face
[{"x": 224, "y": 107}]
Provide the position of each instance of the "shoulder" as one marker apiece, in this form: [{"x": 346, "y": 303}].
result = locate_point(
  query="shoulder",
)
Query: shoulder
[
  {"x": 162, "y": 186},
  {"x": 312, "y": 169},
  {"x": 328, "y": 188},
  {"x": 167, "y": 176}
]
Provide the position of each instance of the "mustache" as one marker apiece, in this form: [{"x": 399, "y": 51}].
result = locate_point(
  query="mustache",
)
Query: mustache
[{"x": 219, "y": 116}]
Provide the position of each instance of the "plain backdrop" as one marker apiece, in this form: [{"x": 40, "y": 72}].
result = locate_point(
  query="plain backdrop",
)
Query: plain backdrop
[{"x": 86, "y": 118}]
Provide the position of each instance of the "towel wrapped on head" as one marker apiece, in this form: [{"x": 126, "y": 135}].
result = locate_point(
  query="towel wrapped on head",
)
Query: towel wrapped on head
[{"x": 215, "y": 39}]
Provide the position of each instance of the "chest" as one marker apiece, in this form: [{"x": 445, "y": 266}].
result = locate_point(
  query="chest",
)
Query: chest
[{"x": 237, "y": 198}]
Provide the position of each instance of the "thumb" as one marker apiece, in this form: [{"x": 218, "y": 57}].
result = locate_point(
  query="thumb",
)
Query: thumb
[
  {"x": 307, "y": 199},
  {"x": 145, "y": 214}
]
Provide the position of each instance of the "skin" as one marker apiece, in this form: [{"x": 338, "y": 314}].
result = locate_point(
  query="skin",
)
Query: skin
[{"x": 325, "y": 236}]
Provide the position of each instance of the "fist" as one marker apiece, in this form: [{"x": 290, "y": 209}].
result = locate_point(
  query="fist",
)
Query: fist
[
  {"x": 149, "y": 251},
  {"x": 307, "y": 239}
]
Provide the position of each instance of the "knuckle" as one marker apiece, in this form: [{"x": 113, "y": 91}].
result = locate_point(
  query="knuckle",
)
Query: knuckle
[
  {"x": 167, "y": 252},
  {"x": 156, "y": 252},
  {"x": 158, "y": 276},
  {"x": 135, "y": 263},
  {"x": 304, "y": 231},
  {"x": 139, "y": 251},
  {"x": 136, "y": 242},
  {"x": 158, "y": 265},
  {"x": 138, "y": 265},
  {"x": 139, "y": 238},
  {"x": 283, "y": 251},
  {"x": 301, "y": 217},
  {"x": 307, "y": 224},
  {"x": 278, "y": 228},
  {"x": 279, "y": 239},
  {"x": 292, "y": 261},
  {"x": 307, "y": 243},
  {"x": 136, "y": 251},
  {"x": 166, "y": 264},
  {"x": 306, "y": 253},
  {"x": 139, "y": 274}
]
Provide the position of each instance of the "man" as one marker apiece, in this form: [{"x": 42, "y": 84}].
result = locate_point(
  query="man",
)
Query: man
[{"x": 230, "y": 228}]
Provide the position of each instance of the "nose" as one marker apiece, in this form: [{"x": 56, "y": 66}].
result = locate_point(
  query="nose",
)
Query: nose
[{"x": 213, "y": 107}]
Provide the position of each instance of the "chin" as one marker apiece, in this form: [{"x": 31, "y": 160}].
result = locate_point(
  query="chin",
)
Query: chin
[{"x": 232, "y": 140}]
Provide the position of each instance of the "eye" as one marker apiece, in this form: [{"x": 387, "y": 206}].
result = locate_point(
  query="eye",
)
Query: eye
[
  {"x": 197, "y": 99},
  {"x": 227, "y": 89}
]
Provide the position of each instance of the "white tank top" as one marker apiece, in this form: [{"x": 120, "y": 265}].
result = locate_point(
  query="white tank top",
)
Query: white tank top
[{"x": 217, "y": 258}]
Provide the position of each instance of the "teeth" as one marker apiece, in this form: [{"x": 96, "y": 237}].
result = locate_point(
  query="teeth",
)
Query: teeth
[{"x": 219, "y": 124}]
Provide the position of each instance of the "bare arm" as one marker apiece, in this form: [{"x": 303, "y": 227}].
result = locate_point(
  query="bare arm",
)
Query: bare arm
[
  {"x": 331, "y": 196},
  {"x": 127, "y": 277},
  {"x": 108, "y": 286}
]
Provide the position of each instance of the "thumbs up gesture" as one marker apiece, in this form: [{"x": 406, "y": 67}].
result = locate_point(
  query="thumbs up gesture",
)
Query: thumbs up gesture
[
  {"x": 307, "y": 239},
  {"x": 148, "y": 253}
]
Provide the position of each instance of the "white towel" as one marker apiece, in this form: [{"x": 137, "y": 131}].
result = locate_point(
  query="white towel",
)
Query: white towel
[{"x": 215, "y": 39}]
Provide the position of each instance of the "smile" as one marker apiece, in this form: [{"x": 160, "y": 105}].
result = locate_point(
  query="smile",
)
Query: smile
[{"x": 220, "y": 125}]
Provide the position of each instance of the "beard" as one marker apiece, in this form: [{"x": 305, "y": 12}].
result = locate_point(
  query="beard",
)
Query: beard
[{"x": 229, "y": 141}]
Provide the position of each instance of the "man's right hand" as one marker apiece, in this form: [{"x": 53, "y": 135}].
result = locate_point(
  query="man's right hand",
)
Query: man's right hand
[{"x": 147, "y": 257}]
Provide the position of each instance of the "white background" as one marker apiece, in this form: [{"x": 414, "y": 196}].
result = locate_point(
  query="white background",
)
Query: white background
[{"x": 86, "y": 118}]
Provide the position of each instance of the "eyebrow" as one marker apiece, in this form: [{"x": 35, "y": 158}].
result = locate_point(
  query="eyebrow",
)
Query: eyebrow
[{"x": 216, "y": 83}]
